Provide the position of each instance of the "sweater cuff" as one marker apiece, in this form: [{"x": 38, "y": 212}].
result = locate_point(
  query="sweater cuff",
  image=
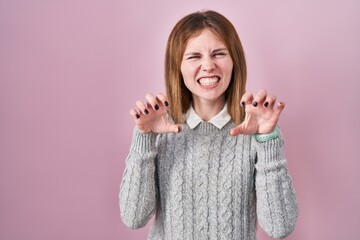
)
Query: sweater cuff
[
  {"x": 143, "y": 142},
  {"x": 270, "y": 152}
]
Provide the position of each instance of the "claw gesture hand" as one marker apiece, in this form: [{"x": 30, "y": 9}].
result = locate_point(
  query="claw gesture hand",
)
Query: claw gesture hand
[
  {"x": 260, "y": 114},
  {"x": 153, "y": 116}
]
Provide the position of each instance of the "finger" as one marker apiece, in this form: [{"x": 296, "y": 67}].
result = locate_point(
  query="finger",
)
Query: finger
[
  {"x": 246, "y": 99},
  {"x": 152, "y": 101},
  {"x": 270, "y": 102},
  {"x": 277, "y": 111},
  {"x": 163, "y": 99},
  {"x": 174, "y": 128},
  {"x": 243, "y": 128},
  {"x": 238, "y": 130},
  {"x": 134, "y": 114},
  {"x": 235, "y": 131},
  {"x": 259, "y": 98},
  {"x": 142, "y": 107}
]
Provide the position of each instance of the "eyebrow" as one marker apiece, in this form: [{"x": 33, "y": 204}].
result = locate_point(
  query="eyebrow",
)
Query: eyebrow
[
  {"x": 214, "y": 51},
  {"x": 220, "y": 49}
]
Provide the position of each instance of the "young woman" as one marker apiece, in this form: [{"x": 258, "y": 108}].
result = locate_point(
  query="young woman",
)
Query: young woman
[{"x": 207, "y": 158}]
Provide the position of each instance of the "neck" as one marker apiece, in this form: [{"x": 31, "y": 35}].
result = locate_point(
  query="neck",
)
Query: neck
[{"x": 208, "y": 109}]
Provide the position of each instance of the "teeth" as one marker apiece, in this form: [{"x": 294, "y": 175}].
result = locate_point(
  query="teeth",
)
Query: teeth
[{"x": 208, "y": 81}]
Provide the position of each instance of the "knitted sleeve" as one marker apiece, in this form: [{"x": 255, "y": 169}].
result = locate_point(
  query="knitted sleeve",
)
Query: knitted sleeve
[
  {"x": 276, "y": 201},
  {"x": 138, "y": 189}
]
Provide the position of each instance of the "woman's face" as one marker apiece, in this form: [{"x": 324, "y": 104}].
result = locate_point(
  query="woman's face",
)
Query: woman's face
[{"x": 206, "y": 67}]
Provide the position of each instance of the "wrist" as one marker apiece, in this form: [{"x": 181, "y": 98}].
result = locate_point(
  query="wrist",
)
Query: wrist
[
  {"x": 143, "y": 142},
  {"x": 268, "y": 136},
  {"x": 270, "y": 151}
]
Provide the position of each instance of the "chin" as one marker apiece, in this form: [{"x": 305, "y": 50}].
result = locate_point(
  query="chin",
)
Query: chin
[{"x": 211, "y": 98}]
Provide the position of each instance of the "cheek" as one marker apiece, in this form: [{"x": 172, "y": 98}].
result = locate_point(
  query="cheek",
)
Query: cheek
[
  {"x": 187, "y": 72},
  {"x": 225, "y": 65},
  {"x": 229, "y": 69},
  {"x": 188, "y": 82},
  {"x": 184, "y": 71},
  {"x": 182, "y": 68}
]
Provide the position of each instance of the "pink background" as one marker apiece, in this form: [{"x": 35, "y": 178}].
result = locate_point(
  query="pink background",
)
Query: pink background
[{"x": 71, "y": 70}]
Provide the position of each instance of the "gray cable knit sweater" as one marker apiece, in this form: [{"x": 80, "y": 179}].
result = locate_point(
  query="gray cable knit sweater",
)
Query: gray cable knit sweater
[{"x": 203, "y": 183}]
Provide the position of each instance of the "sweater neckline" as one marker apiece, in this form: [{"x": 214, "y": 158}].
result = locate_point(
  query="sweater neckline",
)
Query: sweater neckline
[{"x": 209, "y": 128}]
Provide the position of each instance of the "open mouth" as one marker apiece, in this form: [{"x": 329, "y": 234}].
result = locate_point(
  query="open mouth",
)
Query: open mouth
[{"x": 208, "y": 81}]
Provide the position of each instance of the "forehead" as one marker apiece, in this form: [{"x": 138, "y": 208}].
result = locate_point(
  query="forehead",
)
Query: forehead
[{"x": 205, "y": 39}]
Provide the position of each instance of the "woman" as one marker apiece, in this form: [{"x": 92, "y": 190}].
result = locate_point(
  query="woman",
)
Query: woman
[{"x": 207, "y": 158}]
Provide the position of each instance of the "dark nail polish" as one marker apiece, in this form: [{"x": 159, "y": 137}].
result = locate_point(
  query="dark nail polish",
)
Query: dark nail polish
[
  {"x": 137, "y": 116},
  {"x": 243, "y": 104},
  {"x": 146, "y": 112},
  {"x": 156, "y": 107},
  {"x": 266, "y": 104},
  {"x": 166, "y": 103},
  {"x": 255, "y": 104},
  {"x": 179, "y": 129}
]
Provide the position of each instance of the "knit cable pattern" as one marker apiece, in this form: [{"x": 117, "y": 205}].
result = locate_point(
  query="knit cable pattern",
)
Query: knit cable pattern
[
  {"x": 225, "y": 190},
  {"x": 202, "y": 181},
  {"x": 214, "y": 162},
  {"x": 177, "y": 198},
  {"x": 189, "y": 183}
]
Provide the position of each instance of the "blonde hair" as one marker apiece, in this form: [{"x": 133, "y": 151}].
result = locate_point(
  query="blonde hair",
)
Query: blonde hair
[{"x": 191, "y": 26}]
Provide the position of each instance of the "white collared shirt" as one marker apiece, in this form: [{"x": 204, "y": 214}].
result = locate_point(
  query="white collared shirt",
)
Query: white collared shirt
[{"x": 219, "y": 121}]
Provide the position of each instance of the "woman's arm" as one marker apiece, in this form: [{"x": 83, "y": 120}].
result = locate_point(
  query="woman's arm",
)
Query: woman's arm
[
  {"x": 138, "y": 188},
  {"x": 276, "y": 201},
  {"x": 138, "y": 191}
]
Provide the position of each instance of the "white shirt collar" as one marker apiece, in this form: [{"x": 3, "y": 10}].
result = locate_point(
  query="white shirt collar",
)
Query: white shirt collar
[{"x": 219, "y": 121}]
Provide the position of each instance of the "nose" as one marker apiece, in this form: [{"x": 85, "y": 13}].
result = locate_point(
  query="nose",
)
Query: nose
[{"x": 208, "y": 65}]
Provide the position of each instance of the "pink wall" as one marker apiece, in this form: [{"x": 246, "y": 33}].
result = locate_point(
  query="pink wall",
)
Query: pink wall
[{"x": 71, "y": 70}]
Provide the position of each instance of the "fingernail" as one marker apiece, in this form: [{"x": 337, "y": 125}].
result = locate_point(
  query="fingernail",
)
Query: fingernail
[
  {"x": 146, "y": 112},
  {"x": 255, "y": 104},
  {"x": 137, "y": 116},
  {"x": 243, "y": 104},
  {"x": 179, "y": 129},
  {"x": 166, "y": 103},
  {"x": 156, "y": 107},
  {"x": 266, "y": 104}
]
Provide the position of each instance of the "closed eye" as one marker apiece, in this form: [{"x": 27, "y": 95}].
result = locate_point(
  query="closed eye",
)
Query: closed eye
[
  {"x": 219, "y": 54},
  {"x": 193, "y": 57}
]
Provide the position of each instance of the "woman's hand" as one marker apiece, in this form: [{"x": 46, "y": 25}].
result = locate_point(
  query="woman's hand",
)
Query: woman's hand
[
  {"x": 260, "y": 114},
  {"x": 153, "y": 116}
]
